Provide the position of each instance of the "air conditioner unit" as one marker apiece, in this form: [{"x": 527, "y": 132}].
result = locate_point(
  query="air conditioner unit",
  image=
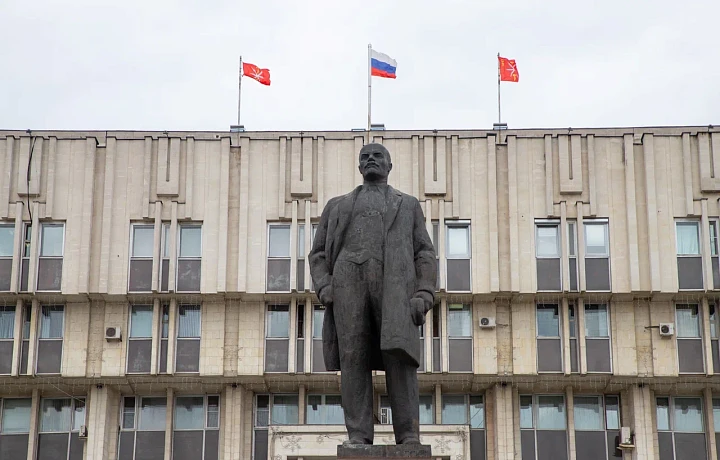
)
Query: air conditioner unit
[
  {"x": 667, "y": 329},
  {"x": 385, "y": 415},
  {"x": 626, "y": 438},
  {"x": 487, "y": 323},
  {"x": 83, "y": 432},
  {"x": 113, "y": 334}
]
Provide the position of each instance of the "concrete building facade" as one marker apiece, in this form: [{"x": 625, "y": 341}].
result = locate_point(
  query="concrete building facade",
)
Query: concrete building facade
[{"x": 155, "y": 296}]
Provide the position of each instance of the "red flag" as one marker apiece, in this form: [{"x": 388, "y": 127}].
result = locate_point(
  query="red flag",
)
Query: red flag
[
  {"x": 256, "y": 73},
  {"x": 508, "y": 69}
]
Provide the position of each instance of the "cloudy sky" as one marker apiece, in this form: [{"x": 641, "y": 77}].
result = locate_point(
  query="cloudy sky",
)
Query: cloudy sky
[{"x": 173, "y": 65}]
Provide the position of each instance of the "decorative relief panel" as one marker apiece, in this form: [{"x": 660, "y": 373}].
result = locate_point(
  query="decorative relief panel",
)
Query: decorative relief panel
[
  {"x": 301, "y": 166},
  {"x": 168, "y": 163},
  {"x": 569, "y": 151},
  {"x": 708, "y": 147},
  {"x": 435, "y": 165}
]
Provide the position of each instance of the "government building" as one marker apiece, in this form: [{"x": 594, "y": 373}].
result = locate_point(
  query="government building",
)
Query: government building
[{"x": 156, "y": 299}]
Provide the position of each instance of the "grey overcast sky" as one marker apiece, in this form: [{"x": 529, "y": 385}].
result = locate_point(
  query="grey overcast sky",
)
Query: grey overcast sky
[{"x": 173, "y": 65}]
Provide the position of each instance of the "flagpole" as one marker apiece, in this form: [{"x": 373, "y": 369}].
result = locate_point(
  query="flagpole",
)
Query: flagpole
[
  {"x": 240, "y": 88},
  {"x": 369, "y": 120},
  {"x": 498, "y": 64}
]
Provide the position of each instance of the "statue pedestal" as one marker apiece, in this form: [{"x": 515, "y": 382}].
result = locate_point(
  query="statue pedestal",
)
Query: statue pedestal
[{"x": 371, "y": 452}]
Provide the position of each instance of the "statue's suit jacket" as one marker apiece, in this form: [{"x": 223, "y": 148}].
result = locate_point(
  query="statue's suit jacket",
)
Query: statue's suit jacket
[{"x": 410, "y": 266}]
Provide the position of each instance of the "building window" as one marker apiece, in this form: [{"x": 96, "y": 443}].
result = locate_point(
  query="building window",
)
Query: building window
[
  {"x": 60, "y": 424},
  {"x": 165, "y": 259},
  {"x": 302, "y": 253},
  {"x": 689, "y": 339},
  {"x": 574, "y": 351},
  {"x": 300, "y": 343},
  {"x": 547, "y": 254},
  {"x": 318, "y": 360},
  {"x": 142, "y": 427},
  {"x": 597, "y": 256},
  {"x": 460, "y": 343},
  {"x": 141, "y": 258},
  {"x": 572, "y": 254},
  {"x": 7, "y": 244},
  {"x": 549, "y": 342},
  {"x": 140, "y": 339},
  {"x": 427, "y": 411},
  {"x": 164, "y": 335},
  {"x": 278, "y": 263},
  {"x": 715, "y": 336},
  {"x": 543, "y": 427},
  {"x": 689, "y": 258},
  {"x": 25, "y": 342},
  {"x": 50, "y": 262},
  {"x": 680, "y": 428},
  {"x": 272, "y": 410},
  {"x": 716, "y": 424},
  {"x": 324, "y": 410},
  {"x": 714, "y": 253},
  {"x": 458, "y": 255},
  {"x": 25, "y": 257},
  {"x": 597, "y": 338},
  {"x": 197, "y": 421},
  {"x": 15, "y": 427},
  {"x": 436, "y": 246},
  {"x": 436, "y": 339},
  {"x": 277, "y": 338},
  {"x": 421, "y": 330},
  {"x": 189, "y": 259},
  {"x": 50, "y": 341},
  {"x": 187, "y": 358},
  {"x": 7, "y": 338},
  {"x": 597, "y": 425}
]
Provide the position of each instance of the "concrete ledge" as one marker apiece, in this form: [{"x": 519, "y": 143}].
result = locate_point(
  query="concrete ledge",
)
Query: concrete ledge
[{"x": 366, "y": 452}]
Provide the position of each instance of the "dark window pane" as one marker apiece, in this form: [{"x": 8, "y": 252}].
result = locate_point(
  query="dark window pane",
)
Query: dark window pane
[
  {"x": 460, "y": 359},
  {"x": 5, "y": 271},
  {"x": 188, "y": 279},
  {"x": 49, "y": 356},
  {"x": 527, "y": 444},
  {"x": 477, "y": 444},
  {"x": 548, "y": 275},
  {"x": 598, "y": 355},
  {"x": 139, "y": 353},
  {"x": 690, "y": 272},
  {"x": 300, "y": 356},
  {"x": 212, "y": 440},
  {"x": 53, "y": 446},
  {"x": 260, "y": 449},
  {"x": 140, "y": 275},
  {"x": 49, "y": 274},
  {"x": 421, "y": 368},
  {"x": 690, "y": 446},
  {"x": 690, "y": 356},
  {"x": 150, "y": 445},
  {"x": 318, "y": 359},
  {"x": 573, "y": 275},
  {"x": 549, "y": 355},
  {"x": 14, "y": 446},
  {"x": 716, "y": 273},
  {"x": 573, "y": 356},
  {"x": 552, "y": 445},
  {"x": 458, "y": 274},
  {"x": 6, "y": 350},
  {"x": 597, "y": 274},
  {"x": 278, "y": 275},
  {"x": 300, "y": 275},
  {"x": 163, "y": 356},
  {"x": 437, "y": 358},
  {"x": 24, "y": 350},
  {"x": 165, "y": 275},
  {"x": 76, "y": 447},
  {"x": 590, "y": 445},
  {"x": 24, "y": 271},
  {"x": 716, "y": 356},
  {"x": 188, "y": 356},
  {"x": 613, "y": 441},
  {"x": 276, "y": 355},
  {"x": 665, "y": 444}
]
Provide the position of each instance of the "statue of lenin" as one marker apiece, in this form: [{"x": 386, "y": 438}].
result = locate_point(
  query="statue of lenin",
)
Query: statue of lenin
[{"x": 374, "y": 268}]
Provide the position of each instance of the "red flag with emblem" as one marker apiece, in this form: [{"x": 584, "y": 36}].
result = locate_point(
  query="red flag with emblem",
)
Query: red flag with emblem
[
  {"x": 256, "y": 73},
  {"x": 508, "y": 69}
]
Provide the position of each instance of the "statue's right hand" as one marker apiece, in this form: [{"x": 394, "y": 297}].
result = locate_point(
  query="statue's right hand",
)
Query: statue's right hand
[{"x": 326, "y": 295}]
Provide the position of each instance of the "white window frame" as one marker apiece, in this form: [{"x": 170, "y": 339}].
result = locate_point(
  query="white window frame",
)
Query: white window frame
[
  {"x": 2, "y": 419},
  {"x": 178, "y": 258},
  {"x": 609, "y": 337},
  {"x": 40, "y": 338},
  {"x": 133, "y": 226},
  {"x": 137, "y": 414},
  {"x": 603, "y": 405},
  {"x": 131, "y": 338},
  {"x": 205, "y": 426},
  {"x": 25, "y": 250},
  {"x": 714, "y": 239},
  {"x": 6, "y": 224},
  {"x": 40, "y": 252},
  {"x": 701, "y": 336},
  {"x": 288, "y": 338},
  {"x": 322, "y": 407},
  {"x": 558, "y": 238},
  {"x": 465, "y": 224},
  {"x": 73, "y": 403},
  {"x": 535, "y": 406},
  {"x": 700, "y": 233},
  {"x": 560, "y": 336},
  {"x": 289, "y": 257},
  {"x": 165, "y": 253},
  {"x": 178, "y": 338},
  {"x": 671, "y": 414},
  {"x": 606, "y": 230},
  {"x": 271, "y": 403}
]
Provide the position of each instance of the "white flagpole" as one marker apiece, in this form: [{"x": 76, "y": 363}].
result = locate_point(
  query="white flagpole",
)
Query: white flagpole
[
  {"x": 499, "y": 118},
  {"x": 240, "y": 89},
  {"x": 369, "y": 89}
]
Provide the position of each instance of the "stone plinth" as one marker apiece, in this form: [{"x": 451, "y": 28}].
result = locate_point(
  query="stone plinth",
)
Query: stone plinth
[{"x": 370, "y": 452}]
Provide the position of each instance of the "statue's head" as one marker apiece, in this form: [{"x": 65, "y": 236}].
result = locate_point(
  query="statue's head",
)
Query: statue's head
[{"x": 375, "y": 163}]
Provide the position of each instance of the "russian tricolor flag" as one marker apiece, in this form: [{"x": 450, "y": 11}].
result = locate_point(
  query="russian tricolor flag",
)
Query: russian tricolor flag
[{"x": 382, "y": 65}]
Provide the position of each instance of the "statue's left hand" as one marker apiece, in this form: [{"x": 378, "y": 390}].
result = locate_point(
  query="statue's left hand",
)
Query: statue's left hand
[{"x": 417, "y": 310}]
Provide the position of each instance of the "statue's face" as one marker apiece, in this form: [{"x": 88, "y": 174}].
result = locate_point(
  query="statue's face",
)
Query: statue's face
[{"x": 374, "y": 162}]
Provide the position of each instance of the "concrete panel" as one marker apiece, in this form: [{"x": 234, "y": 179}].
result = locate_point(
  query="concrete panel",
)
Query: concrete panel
[
  {"x": 435, "y": 165},
  {"x": 168, "y": 166},
  {"x": 569, "y": 157}
]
